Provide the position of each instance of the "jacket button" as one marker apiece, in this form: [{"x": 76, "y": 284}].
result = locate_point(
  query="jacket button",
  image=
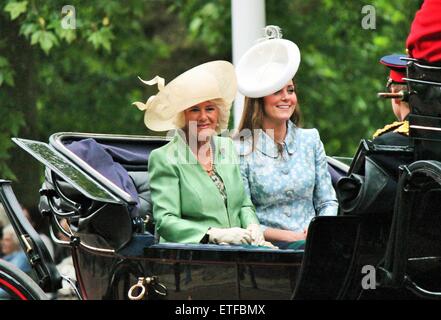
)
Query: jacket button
[
  {"x": 289, "y": 193},
  {"x": 285, "y": 171},
  {"x": 288, "y": 213}
]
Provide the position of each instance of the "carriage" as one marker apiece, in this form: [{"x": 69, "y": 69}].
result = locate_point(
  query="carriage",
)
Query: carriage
[{"x": 384, "y": 243}]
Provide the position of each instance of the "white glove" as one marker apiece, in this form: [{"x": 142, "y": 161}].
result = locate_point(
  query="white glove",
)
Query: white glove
[
  {"x": 257, "y": 237},
  {"x": 268, "y": 244},
  {"x": 229, "y": 236}
]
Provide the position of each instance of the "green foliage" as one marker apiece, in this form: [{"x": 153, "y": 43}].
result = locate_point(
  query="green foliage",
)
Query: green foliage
[
  {"x": 10, "y": 125},
  {"x": 45, "y": 39},
  {"x": 209, "y": 25},
  {"x": 101, "y": 38},
  {"x": 16, "y": 8},
  {"x": 6, "y": 72}
]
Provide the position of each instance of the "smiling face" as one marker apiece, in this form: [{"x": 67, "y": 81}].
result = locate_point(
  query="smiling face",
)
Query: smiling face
[
  {"x": 279, "y": 106},
  {"x": 203, "y": 117}
]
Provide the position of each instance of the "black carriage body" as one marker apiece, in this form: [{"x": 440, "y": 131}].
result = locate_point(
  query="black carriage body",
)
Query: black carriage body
[
  {"x": 111, "y": 248},
  {"x": 397, "y": 218},
  {"x": 200, "y": 272},
  {"x": 107, "y": 265},
  {"x": 332, "y": 266}
]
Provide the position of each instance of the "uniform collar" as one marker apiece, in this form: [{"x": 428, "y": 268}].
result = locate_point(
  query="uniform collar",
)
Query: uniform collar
[{"x": 268, "y": 147}]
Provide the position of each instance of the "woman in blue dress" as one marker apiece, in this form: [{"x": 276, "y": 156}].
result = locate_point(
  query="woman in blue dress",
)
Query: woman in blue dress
[{"x": 283, "y": 166}]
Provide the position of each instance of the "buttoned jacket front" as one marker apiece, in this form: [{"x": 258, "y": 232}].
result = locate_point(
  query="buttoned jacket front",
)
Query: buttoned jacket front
[
  {"x": 186, "y": 202},
  {"x": 289, "y": 190}
]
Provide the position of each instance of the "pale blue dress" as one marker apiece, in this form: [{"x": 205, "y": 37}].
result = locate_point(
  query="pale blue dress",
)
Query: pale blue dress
[{"x": 289, "y": 190}]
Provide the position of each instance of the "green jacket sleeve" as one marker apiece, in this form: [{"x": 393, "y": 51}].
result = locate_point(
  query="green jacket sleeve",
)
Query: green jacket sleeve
[
  {"x": 164, "y": 185},
  {"x": 247, "y": 211}
]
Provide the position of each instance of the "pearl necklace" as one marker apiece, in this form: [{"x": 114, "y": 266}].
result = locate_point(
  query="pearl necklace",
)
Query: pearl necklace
[
  {"x": 211, "y": 159},
  {"x": 210, "y": 168}
]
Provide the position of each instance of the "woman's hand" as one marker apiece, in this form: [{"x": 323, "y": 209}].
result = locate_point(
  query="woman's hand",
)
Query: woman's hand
[
  {"x": 229, "y": 236},
  {"x": 268, "y": 244},
  {"x": 256, "y": 234}
]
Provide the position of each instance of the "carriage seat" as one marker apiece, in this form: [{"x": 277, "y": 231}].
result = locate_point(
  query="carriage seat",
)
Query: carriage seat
[{"x": 369, "y": 187}]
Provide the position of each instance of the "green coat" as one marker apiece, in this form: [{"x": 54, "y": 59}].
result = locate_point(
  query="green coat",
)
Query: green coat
[{"x": 186, "y": 202}]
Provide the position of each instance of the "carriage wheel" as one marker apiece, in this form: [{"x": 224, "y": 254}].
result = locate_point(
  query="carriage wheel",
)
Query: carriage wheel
[{"x": 18, "y": 285}]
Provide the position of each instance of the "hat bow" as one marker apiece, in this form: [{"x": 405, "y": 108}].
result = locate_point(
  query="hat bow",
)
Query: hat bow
[{"x": 156, "y": 80}]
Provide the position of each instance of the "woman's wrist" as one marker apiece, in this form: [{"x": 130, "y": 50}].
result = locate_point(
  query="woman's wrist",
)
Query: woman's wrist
[
  {"x": 283, "y": 235},
  {"x": 295, "y": 236}
]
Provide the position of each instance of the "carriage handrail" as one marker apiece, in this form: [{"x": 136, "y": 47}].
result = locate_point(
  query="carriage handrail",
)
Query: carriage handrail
[
  {"x": 338, "y": 163},
  {"x": 84, "y": 183},
  {"x": 36, "y": 251}
]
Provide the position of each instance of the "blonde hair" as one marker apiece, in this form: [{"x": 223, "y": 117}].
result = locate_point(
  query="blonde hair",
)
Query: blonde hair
[{"x": 224, "y": 115}]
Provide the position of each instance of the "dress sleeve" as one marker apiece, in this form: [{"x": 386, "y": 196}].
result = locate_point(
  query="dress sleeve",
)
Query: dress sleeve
[
  {"x": 243, "y": 166},
  {"x": 247, "y": 212},
  {"x": 164, "y": 185},
  {"x": 324, "y": 198}
]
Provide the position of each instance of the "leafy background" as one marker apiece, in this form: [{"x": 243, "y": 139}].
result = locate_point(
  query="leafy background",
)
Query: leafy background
[{"x": 85, "y": 79}]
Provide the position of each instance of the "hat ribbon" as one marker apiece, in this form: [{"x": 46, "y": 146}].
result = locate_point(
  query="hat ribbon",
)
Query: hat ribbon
[{"x": 156, "y": 80}]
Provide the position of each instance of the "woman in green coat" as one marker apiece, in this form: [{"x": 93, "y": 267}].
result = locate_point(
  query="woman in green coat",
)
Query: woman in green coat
[{"x": 196, "y": 186}]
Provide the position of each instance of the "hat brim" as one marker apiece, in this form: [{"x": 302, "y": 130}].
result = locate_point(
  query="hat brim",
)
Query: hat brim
[
  {"x": 206, "y": 82},
  {"x": 266, "y": 67},
  {"x": 397, "y": 67}
]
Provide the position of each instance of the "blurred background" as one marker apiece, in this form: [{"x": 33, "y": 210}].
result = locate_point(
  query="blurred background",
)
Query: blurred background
[{"x": 54, "y": 79}]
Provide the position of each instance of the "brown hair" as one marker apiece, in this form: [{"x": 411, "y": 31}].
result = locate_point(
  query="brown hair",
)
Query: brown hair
[{"x": 254, "y": 111}]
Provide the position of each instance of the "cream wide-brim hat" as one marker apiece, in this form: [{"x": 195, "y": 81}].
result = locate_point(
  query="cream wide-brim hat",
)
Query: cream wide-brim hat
[
  {"x": 266, "y": 67},
  {"x": 209, "y": 81}
]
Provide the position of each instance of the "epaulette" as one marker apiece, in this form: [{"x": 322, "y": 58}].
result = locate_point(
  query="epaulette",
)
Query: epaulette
[
  {"x": 390, "y": 127},
  {"x": 403, "y": 129}
]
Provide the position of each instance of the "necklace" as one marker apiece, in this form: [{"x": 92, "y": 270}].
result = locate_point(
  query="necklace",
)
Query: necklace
[{"x": 209, "y": 170}]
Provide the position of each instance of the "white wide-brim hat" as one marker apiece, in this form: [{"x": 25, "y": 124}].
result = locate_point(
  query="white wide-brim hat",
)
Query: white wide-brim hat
[
  {"x": 206, "y": 82},
  {"x": 266, "y": 67}
]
